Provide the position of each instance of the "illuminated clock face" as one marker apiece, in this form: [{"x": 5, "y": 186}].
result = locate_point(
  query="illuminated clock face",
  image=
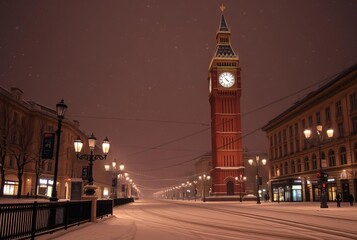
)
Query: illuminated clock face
[{"x": 226, "y": 79}]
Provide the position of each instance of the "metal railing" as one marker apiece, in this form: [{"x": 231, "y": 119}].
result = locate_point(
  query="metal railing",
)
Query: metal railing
[
  {"x": 122, "y": 201},
  {"x": 104, "y": 207},
  {"x": 28, "y": 220}
]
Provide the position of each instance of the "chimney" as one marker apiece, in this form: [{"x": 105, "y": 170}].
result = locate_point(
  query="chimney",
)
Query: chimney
[
  {"x": 76, "y": 123},
  {"x": 16, "y": 93}
]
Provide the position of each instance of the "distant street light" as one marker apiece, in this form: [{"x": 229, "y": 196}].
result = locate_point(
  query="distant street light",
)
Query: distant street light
[
  {"x": 240, "y": 179},
  {"x": 78, "y": 144},
  {"x": 204, "y": 178},
  {"x": 322, "y": 177},
  {"x": 258, "y": 178},
  {"x": 61, "y": 110},
  {"x": 115, "y": 175}
]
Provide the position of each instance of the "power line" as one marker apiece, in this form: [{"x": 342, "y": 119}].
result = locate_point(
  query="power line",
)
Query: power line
[{"x": 141, "y": 120}]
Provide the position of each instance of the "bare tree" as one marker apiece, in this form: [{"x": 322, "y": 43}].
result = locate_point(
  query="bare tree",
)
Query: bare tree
[
  {"x": 22, "y": 150},
  {"x": 4, "y": 131}
]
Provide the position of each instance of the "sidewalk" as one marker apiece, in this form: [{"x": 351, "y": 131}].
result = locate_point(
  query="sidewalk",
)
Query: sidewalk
[{"x": 107, "y": 228}]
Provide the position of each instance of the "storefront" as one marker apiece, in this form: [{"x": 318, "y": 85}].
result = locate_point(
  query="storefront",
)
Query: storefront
[
  {"x": 10, "y": 187},
  {"x": 331, "y": 190},
  {"x": 289, "y": 190},
  {"x": 45, "y": 187}
]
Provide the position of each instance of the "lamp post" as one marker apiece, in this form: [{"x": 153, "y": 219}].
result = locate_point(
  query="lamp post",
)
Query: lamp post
[
  {"x": 113, "y": 168},
  {"x": 195, "y": 190},
  {"x": 61, "y": 108},
  {"x": 78, "y": 144},
  {"x": 321, "y": 176},
  {"x": 204, "y": 178},
  {"x": 126, "y": 178},
  {"x": 258, "y": 178},
  {"x": 183, "y": 190},
  {"x": 240, "y": 179}
]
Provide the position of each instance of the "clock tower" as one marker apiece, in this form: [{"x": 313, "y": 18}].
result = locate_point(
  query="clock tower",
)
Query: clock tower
[{"x": 224, "y": 97}]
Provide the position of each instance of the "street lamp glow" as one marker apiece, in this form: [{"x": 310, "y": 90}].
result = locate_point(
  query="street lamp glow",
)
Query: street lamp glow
[
  {"x": 92, "y": 140},
  {"x": 106, "y": 146},
  {"x": 307, "y": 133},
  {"x": 78, "y": 144},
  {"x": 61, "y": 108}
]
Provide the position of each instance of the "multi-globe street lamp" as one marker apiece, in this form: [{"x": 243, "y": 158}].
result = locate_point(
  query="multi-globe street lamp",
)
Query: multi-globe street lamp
[
  {"x": 204, "y": 178},
  {"x": 78, "y": 144},
  {"x": 115, "y": 175},
  {"x": 322, "y": 177},
  {"x": 258, "y": 178},
  {"x": 240, "y": 180},
  {"x": 61, "y": 108}
]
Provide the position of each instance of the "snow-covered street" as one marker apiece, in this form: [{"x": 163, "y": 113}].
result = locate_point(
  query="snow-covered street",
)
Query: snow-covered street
[{"x": 167, "y": 219}]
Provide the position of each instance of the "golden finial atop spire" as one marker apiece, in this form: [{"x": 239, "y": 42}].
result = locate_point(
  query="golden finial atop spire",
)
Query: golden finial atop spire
[{"x": 222, "y": 7}]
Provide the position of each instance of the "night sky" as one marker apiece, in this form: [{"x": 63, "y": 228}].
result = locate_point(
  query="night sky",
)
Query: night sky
[{"x": 136, "y": 71}]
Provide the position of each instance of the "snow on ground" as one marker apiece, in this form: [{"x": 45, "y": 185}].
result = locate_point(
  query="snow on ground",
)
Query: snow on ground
[{"x": 177, "y": 219}]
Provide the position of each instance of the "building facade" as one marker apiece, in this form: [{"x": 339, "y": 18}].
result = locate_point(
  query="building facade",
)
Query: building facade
[
  {"x": 296, "y": 163},
  {"x": 23, "y": 125},
  {"x": 224, "y": 97}
]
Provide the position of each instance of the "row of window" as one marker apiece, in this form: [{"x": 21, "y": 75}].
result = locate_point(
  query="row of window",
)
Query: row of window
[
  {"x": 307, "y": 164},
  {"x": 294, "y": 132}
]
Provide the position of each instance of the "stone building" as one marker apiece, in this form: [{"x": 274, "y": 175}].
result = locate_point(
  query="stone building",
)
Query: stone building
[
  {"x": 296, "y": 163},
  {"x": 22, "y": 126}
]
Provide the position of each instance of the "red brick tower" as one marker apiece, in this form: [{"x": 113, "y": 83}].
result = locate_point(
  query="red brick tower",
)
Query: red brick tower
[{"x": 224, "y": 97}]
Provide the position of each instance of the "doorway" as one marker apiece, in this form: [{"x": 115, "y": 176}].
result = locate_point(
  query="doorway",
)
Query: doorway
[{"x": 230, "y": 188}]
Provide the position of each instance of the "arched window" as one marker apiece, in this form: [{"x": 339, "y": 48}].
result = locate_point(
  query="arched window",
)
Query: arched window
[
  {"x": 298, "y": 165},
  {"x": 343, "y": 158},
  {"x": 306, "y": 164},
  {"x": 332, "y": 158},
  {"x": 323, "y": 157},
  {"x": 355, "y": 152},
  {"x": 277, "y": 173},
  {"x": 286, "y": 168},
  {"x": 281, "y": 169},
  {"x": 314, "y": 161},
  {"x": 292, "y": 167},
  {"x": 272, "y": 172}
]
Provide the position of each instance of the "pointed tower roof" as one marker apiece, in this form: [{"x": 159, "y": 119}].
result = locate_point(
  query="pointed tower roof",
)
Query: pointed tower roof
[
  {"x": 223, "y": 25},
  {"x": 224, "y": 49}
]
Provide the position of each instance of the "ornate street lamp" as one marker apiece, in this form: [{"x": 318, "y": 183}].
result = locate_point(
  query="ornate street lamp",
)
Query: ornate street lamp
[
  {"x": 78, "y": 144},
  {"x": 321, "y": 176},
  {"x": 240, "y": 179},
  {"x": 61, "y": 108},
  {"x": 258, "y": 178},
  {"x": 116, "y": 174},
  {"x": 204, "y": 178}
]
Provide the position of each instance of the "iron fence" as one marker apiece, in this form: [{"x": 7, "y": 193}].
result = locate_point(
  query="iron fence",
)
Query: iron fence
[{"x": 28, "y": 220}]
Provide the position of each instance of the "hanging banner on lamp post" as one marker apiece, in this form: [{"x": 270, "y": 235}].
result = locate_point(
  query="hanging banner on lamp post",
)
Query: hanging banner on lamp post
[{"x": 48, "y": 145}]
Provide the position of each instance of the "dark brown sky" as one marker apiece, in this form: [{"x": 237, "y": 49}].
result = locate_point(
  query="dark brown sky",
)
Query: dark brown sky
[{"x": 122, "y": 65}]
